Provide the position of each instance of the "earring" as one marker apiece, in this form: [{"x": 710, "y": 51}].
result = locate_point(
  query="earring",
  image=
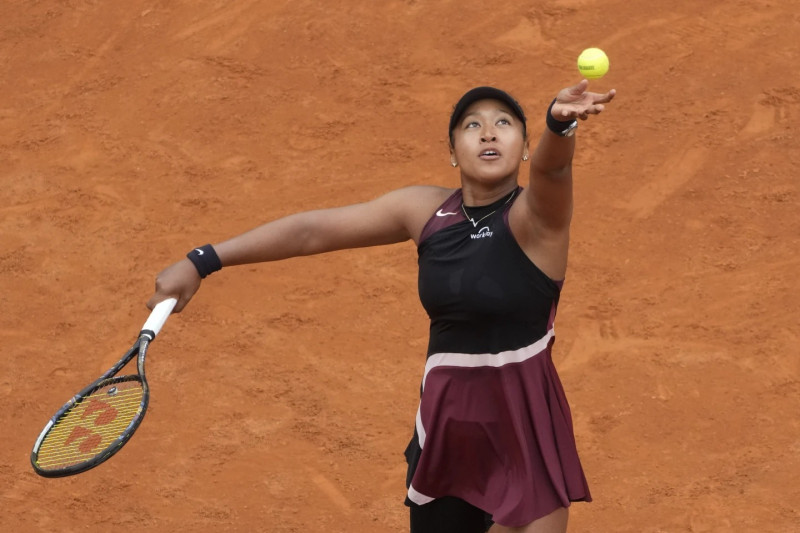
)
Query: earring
[
  {"x": 524, "y": 157},
  {"x": 454, "y": 164}
]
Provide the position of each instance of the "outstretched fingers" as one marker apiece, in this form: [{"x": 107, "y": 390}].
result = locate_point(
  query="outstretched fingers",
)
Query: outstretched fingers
[
  {"x": 576, "y": 102},
  {"x": 578, "y": 89},
  {"x": 606, "y": 97}
]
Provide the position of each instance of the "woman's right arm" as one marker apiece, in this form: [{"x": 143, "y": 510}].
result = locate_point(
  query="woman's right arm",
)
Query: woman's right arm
[{"x": 394, "y": 217}]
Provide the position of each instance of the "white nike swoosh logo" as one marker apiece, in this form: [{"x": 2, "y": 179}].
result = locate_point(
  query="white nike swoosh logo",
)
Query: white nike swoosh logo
[
  {"x": 199, "y": 251},
  {"x": 441, "y": 213}
]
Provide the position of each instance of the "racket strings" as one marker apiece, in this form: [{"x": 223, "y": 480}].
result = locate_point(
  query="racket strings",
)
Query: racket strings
[{"x": 92, "y": 425}]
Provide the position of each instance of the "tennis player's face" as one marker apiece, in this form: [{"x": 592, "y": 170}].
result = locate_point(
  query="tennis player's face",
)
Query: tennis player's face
[{"x": 488, "y": 142}]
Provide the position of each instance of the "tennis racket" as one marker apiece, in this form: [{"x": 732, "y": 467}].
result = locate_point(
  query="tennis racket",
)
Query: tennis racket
[{"x": 101, "y": 418}]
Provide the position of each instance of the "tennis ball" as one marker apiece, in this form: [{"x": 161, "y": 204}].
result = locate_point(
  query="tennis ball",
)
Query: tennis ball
[{"x": 593, "y": 63}]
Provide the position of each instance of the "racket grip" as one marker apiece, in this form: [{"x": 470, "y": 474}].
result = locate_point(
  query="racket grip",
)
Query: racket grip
[{"x": 158, "y": 317}]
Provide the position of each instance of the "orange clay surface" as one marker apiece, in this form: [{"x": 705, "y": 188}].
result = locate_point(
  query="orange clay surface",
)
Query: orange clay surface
[{"x": 284, "y": 395}]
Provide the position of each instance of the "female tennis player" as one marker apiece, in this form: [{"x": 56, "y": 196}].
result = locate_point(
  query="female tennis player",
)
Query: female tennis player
[{"x": 493, "y": 447}]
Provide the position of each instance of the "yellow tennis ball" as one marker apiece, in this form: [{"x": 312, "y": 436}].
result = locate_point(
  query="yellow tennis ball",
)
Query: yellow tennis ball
[{"x": 593, "y": 63}]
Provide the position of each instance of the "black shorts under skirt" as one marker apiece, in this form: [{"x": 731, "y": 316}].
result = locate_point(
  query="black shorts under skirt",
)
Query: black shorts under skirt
[{"x": 449, "y": 515}]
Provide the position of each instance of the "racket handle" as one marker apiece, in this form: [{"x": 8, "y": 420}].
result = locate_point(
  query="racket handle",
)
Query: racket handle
[{"x": 158, "y": 317}]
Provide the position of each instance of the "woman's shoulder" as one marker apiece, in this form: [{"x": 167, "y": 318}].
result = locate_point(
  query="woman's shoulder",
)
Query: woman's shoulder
[
  {"x": 419, "y": 203},
  {"x": 432, "y": 192},
  {"x": 424, "y": 198}
]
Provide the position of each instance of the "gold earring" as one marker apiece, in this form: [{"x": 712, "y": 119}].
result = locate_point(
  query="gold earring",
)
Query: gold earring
[{"x": 524, "y": 157}]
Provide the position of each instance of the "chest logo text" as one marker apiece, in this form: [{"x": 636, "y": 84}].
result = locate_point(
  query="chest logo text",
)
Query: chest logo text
[{"x": 483, "y": 233}]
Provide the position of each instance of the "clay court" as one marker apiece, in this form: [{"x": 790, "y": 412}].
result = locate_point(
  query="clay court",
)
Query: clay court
[{"x": 284, "y": 395}]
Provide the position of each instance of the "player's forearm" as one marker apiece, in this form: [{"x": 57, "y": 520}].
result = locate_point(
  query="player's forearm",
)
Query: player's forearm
[
  {"x": 553, "y": 156},
  {"x": 551, "y": 181},
  {"x": 291, "y": 236}
]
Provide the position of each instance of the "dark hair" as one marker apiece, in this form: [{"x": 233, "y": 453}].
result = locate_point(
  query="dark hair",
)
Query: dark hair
[{"x": 484, "y": 93}]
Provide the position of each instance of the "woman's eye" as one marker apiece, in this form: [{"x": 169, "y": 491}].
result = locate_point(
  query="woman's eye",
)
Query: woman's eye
[
  {"x": 504, "y": 121},
  {"x": 473, "y": 125}
]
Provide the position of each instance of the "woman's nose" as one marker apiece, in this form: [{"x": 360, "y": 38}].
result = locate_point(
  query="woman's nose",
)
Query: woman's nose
[{"x": 488, "y": 135}]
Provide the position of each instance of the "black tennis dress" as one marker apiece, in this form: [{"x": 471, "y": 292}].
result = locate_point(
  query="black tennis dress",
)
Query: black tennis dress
[{"x": 493, "y": 426}]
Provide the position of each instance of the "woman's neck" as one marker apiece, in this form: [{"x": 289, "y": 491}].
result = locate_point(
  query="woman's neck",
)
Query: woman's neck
[{"x": 475, "y": 195}]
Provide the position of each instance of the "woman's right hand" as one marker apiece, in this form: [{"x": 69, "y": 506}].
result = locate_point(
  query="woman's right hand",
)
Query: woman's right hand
[{"x": 180, "y": 281}]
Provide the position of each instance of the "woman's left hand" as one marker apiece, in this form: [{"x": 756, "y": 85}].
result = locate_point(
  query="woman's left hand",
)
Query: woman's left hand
[{"x": 576, "y": 102}]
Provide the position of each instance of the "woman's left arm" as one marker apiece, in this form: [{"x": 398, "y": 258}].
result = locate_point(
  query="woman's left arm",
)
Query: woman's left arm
[
  {"x": 550, "y": 203},
  {"x": 543, "y": 219}
]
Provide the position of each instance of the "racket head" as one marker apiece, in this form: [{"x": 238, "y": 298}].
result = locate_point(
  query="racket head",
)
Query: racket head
[{"x": 93, "y": 425}]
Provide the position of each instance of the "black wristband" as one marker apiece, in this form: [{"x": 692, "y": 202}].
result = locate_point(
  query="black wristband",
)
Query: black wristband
[
  {"x": 562, "y": 128},
  {"x": 205, "y": 260}
]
